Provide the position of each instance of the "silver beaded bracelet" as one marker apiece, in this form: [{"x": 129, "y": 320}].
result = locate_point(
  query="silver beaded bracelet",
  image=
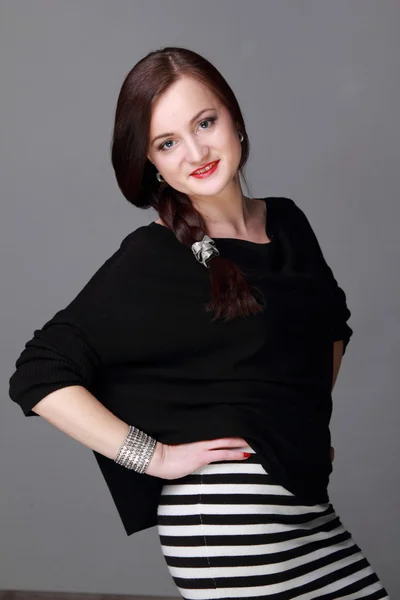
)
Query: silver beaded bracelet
[{"x": 136, "y": 451}]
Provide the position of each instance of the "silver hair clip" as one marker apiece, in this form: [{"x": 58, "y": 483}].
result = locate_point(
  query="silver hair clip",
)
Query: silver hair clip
[{"x": 204, "y": 250}]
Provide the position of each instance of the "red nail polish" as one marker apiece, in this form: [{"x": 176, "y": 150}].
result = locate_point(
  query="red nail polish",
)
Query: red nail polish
[{"x": 246, "y": 454}]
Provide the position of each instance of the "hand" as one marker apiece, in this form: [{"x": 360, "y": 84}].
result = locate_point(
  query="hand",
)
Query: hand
[
  {"x": 332, "y": 454},
  {"x": 173, "y": 462}
]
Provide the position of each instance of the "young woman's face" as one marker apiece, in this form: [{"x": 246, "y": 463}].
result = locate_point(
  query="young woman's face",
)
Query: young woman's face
[{"x": 211, "y": 136}]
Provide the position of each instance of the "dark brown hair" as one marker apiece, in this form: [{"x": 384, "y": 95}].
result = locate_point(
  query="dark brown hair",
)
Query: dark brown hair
[{"x": 136, "y": 175}]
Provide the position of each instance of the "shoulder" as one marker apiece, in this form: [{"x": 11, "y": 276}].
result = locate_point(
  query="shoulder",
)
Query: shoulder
[
  {"x": 289, "y": 210},
  {"x": 140, "y": 238},
  {"x": 151, "y": 251},
  {"x": 143, "y": 245},
  {"x": 130, "y": 258},
  {"x": 280, "y": 203},
  {"x": 293, "y": 222},
  {"x": 283, "y": 210}
]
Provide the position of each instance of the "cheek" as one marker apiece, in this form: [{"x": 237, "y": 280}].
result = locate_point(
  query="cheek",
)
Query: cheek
[
  {"x": 165, "y": 163},
  {"x": 233, "y": 143},
  {"x": 234, "y": 149},
  {"x": 171, "y": 168}
]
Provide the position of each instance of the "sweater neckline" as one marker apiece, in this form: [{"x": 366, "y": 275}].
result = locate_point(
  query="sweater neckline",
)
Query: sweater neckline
[{"x": 229, "y": 240}]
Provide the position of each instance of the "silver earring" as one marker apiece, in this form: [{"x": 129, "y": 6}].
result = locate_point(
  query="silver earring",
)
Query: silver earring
[
  {"x": 160, "y": 177},
  {"x": 241, "y": 136}
]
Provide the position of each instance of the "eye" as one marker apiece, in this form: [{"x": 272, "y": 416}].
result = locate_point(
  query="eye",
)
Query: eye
[
  {"x": 163, "y": 147},
  {"x": 211, "y": 120}
]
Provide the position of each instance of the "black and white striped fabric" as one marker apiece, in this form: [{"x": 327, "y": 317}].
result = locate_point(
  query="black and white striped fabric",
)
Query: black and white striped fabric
[{"x": 228, "y": 531}]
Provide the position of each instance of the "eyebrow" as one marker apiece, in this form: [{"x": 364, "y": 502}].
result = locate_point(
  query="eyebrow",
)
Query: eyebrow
[{"x": 191, "y": 121}]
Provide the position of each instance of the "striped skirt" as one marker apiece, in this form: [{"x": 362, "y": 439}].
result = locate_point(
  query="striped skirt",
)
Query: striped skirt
[{"x": 228, "y": 531}]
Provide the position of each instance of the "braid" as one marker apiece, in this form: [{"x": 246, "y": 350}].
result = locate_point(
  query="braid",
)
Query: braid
[{"x": 231, "y": 293}]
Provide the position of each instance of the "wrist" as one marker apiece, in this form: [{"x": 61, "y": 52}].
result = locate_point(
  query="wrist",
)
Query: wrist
[
  {"x": 136, "y": 451},
  {"x": 155, "y": 460}
]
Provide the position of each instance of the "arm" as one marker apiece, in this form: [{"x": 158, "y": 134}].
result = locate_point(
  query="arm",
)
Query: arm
[
  {"x": 76, "y": 412},
  {"x": 58, "y": 366},
  {"x": 73, "y": 346},
  {"x": 337, "y": 359},
  {"x": 310, "y": 256},
  {"x": 313, "y": 256}
]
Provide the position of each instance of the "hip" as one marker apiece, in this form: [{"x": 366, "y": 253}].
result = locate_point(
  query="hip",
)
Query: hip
[{"x": 230, "y": 530}]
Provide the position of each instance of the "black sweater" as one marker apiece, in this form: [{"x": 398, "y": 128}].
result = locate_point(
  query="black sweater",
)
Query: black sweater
[{"x": 138, "y": 338}]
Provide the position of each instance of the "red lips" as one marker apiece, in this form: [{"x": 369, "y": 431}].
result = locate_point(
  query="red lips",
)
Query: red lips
[{"x": 204, "y": 166}]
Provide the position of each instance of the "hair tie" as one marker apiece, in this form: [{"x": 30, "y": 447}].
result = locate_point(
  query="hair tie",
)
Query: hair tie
[{"x": 204, "y": 250}]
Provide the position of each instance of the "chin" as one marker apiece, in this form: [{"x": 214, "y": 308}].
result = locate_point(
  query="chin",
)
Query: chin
[{"x": 208, "y": 190}]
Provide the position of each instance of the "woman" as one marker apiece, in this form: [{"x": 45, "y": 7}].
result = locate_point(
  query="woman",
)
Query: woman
[{"x": 198, "y": 362}]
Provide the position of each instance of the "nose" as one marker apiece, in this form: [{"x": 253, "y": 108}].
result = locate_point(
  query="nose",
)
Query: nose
[{"x": 196, "y": 152}]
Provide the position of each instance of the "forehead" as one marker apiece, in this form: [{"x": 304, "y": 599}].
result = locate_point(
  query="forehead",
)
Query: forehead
[{"x": 179, "y": 103}]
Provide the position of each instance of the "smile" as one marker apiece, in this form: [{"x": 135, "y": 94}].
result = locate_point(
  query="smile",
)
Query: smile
[{"x": 206, "y": 171}]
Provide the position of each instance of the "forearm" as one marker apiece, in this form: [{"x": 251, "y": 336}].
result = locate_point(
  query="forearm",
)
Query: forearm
[
  {"x": 337, "y": 359},
  {"x": 76, "y": 412}
]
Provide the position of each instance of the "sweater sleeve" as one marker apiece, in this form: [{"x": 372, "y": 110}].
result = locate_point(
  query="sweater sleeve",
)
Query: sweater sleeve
[
  {"x": 72, "y": 346},
  {"x": 340, "y": 311}
]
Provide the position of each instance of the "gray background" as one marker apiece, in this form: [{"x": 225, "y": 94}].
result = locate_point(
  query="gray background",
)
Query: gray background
[{"x": 318, "y": 83}]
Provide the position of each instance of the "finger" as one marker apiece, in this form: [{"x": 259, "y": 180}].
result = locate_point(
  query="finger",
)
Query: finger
[
  {"x": 218, "y": 455},
  {"x": 235, "y": 442}
]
